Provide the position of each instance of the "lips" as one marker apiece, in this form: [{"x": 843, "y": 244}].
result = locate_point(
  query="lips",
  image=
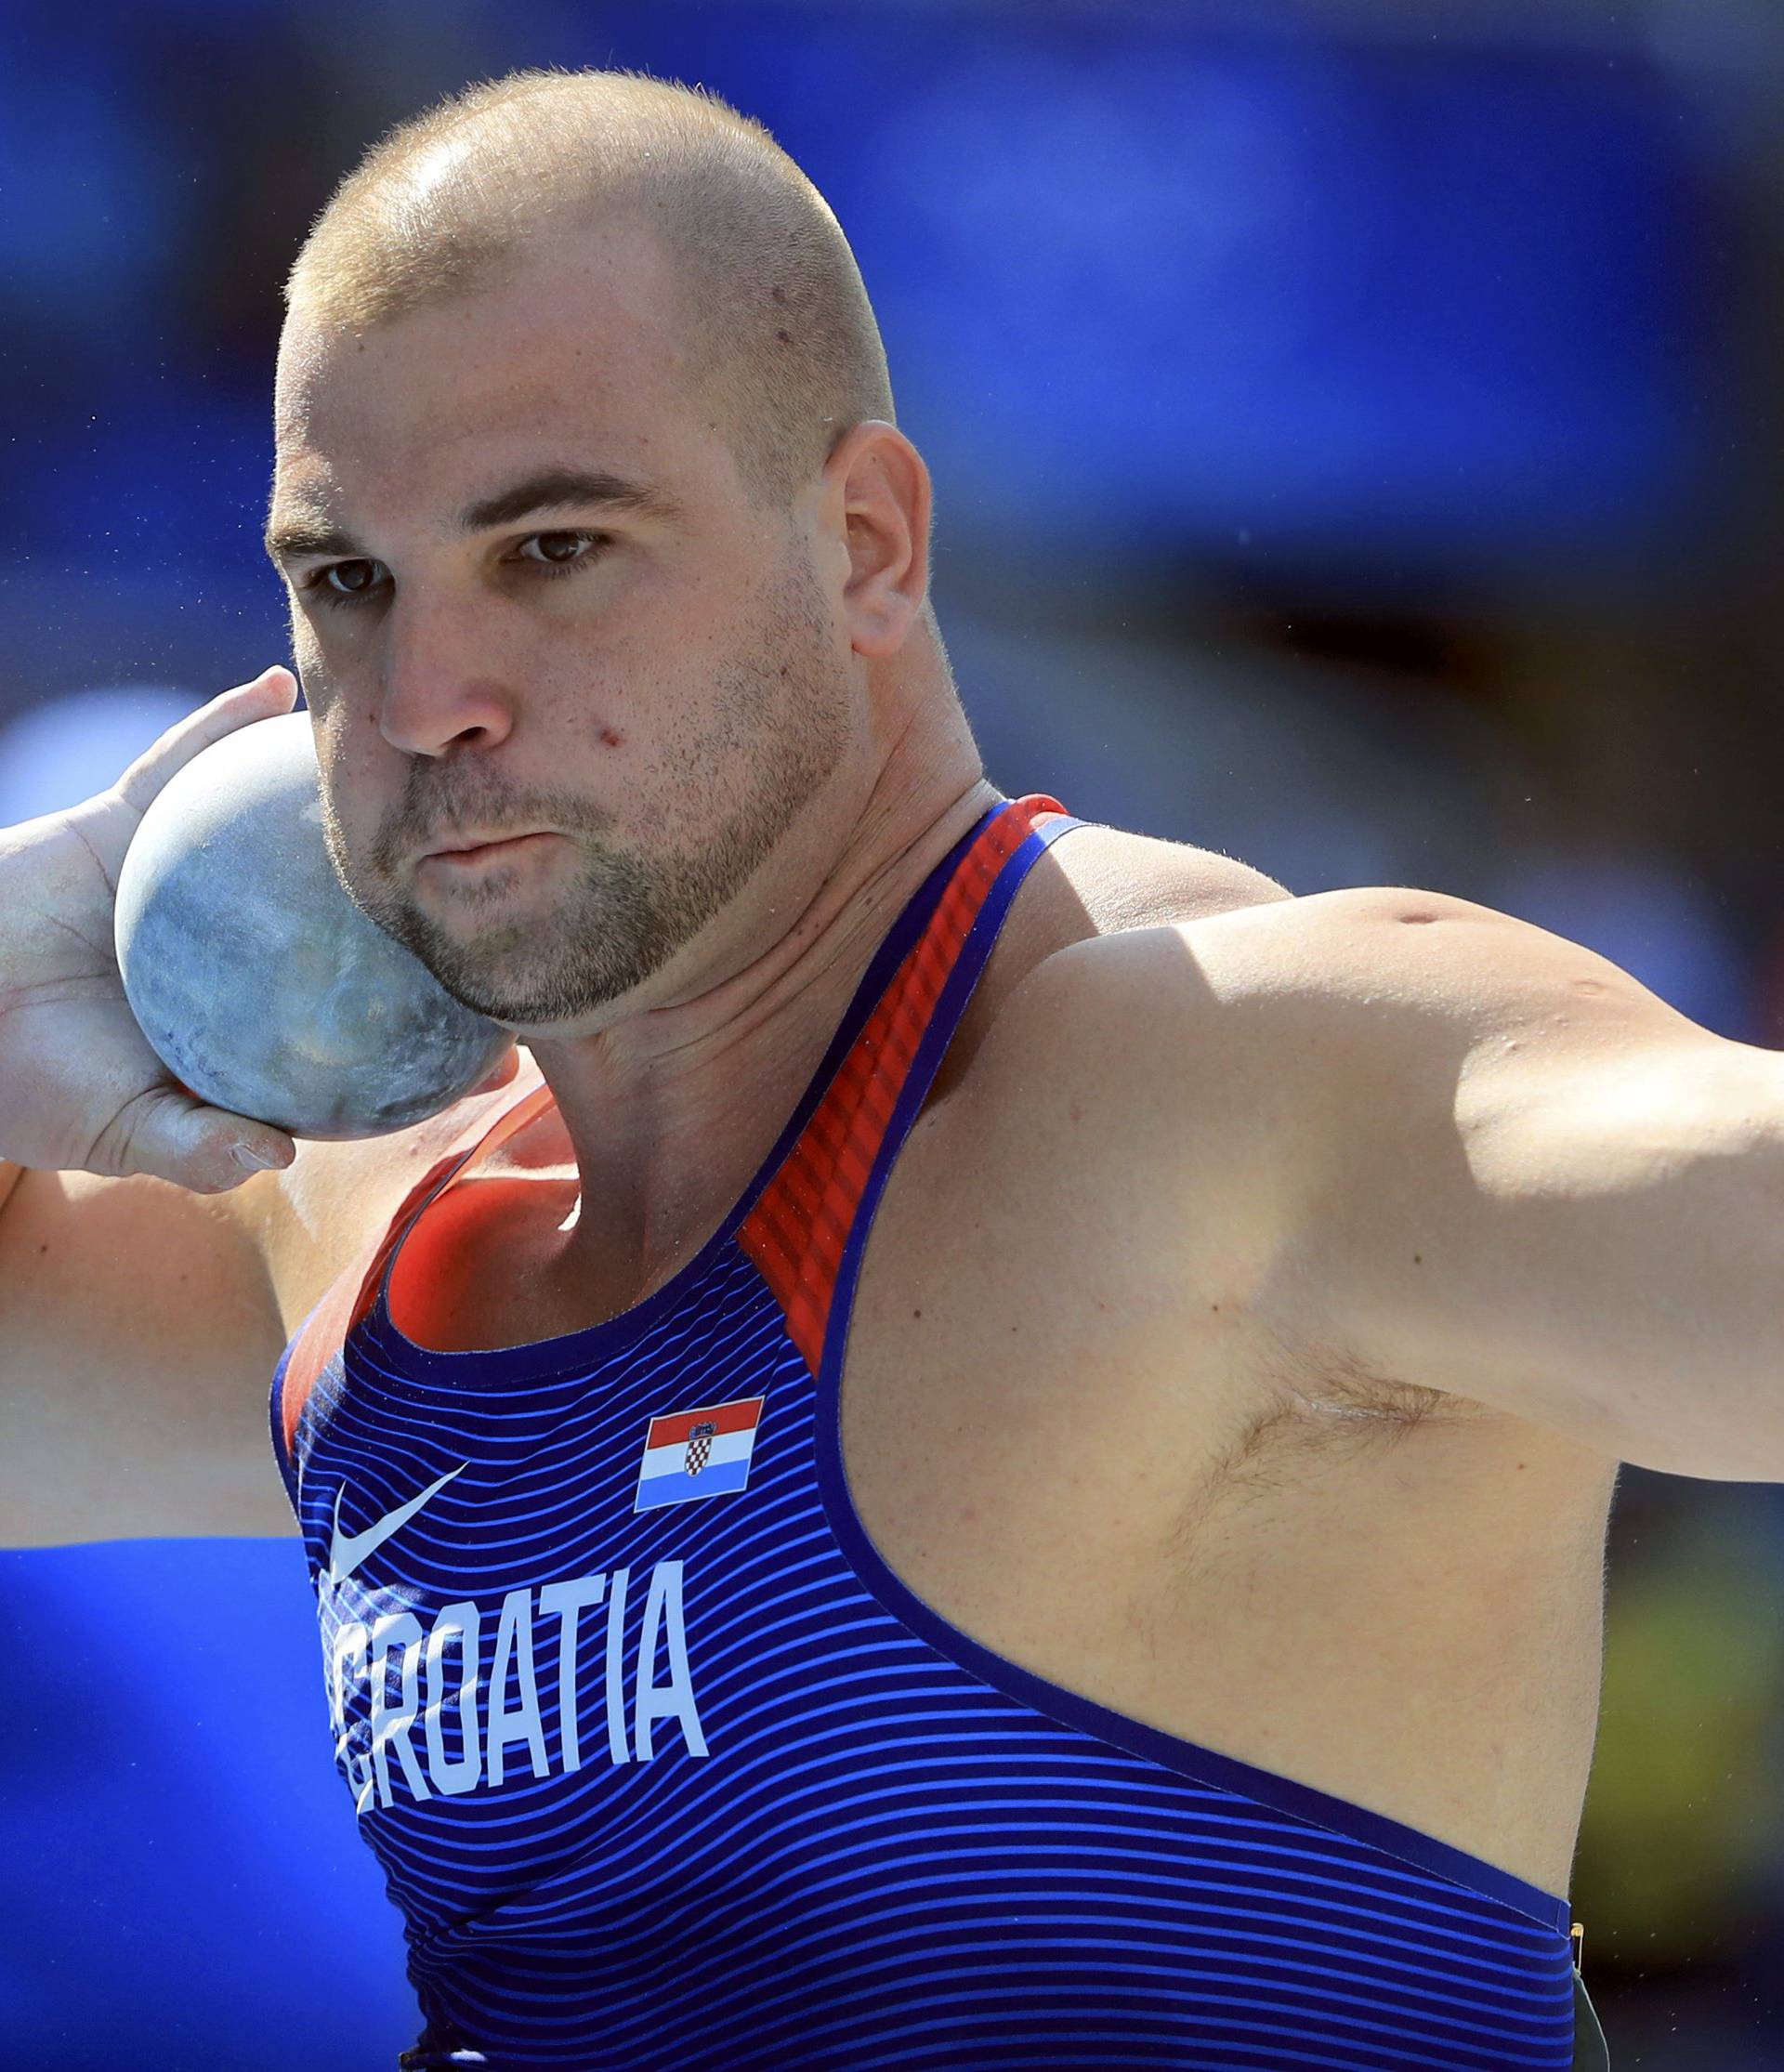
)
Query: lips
[
  {"x": 481, "y": 842},
  {"x": 480, "y": 857}
]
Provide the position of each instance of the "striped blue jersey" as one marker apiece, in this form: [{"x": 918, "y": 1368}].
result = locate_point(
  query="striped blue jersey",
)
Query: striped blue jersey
[{"x": 665, "y": 1768}]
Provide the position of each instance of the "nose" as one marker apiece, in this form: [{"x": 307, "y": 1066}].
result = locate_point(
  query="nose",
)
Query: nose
[{"x": 442, "y": 686}]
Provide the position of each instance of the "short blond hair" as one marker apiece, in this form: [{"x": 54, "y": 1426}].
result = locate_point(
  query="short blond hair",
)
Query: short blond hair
[{"x": 780, "y": 335}]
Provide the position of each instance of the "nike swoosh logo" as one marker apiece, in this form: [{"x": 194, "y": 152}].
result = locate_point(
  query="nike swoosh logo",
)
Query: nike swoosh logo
[{"x": 348, "y": 1550}]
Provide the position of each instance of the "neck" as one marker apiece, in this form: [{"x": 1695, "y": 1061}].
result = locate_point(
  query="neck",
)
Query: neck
[{"x": 671, "y": 1109}]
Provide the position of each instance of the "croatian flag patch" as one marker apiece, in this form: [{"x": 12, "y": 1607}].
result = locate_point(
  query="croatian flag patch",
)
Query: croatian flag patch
[{"x": 698, "y": 1454}]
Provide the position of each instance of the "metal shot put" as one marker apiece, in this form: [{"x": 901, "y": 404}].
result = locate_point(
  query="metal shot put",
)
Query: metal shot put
[{"x": 262, "y": 988}]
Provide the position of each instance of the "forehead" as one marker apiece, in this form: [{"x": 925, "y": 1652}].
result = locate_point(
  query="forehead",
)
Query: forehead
[{"x": 581, "y": 347}]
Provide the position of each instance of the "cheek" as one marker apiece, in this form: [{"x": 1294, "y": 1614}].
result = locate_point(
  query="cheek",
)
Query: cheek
[
  {"x": 332, "y": 657},
  {"x": 306, "y": 649},
  {"x": 348, "y": 819}
]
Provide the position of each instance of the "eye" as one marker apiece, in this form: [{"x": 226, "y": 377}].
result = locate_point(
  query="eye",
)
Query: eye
[
  {"x": 346, "y": 581},
  {"x": 560, "y": 551}
]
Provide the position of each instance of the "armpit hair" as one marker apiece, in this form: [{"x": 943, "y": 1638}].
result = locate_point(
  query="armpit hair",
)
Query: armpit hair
[
  {"x": 1318, "y": 1406},
  {"x": 1328, "y": 1389}
]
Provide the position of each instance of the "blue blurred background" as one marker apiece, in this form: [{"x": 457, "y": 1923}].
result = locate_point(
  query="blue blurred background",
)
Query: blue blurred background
[{"x": 1355, "y": 427}]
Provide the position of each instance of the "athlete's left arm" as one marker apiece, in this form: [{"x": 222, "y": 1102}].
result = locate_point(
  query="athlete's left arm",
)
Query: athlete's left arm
[{"x": 1515, "y": 1173}]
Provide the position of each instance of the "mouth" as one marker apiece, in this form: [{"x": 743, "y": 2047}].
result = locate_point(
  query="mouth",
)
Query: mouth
[
  {"x": 470, "y": 854},
  {"x": 476, "y": 842}
]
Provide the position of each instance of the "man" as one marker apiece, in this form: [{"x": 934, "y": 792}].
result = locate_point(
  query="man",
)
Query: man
[{"x": 997, "y": 1453}]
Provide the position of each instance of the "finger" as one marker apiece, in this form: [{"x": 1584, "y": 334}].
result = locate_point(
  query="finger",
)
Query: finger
[
  {"x": 175, "y": 1139},
  {"x": 272, "y": 692}
]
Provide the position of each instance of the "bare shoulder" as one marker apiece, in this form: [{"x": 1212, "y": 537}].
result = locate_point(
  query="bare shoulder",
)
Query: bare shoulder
[
  {"x": 1218, "y": 1007},
  {"x": 1122, "y": 943},
  {"x": 1305, "y": 962},
  {"x": 1127, "y": 881}
]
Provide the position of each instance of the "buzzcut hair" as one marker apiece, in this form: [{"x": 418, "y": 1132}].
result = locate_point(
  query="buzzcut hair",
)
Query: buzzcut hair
[{"x": 781, "y": 340}]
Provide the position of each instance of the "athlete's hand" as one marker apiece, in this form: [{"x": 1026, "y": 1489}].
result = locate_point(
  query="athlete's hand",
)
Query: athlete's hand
[{"x": 80, "y": 1088}]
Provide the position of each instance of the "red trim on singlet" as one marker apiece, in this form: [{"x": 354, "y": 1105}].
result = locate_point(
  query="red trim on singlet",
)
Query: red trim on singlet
[{"x": 801, "y": 1221}]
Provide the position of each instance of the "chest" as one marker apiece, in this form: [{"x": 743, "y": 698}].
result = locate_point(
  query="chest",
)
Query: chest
[
  {"x": 1076, "y": 1447},
  {"x": 1026, "y": 1389},
  {"x": 1016, "y": 1434}
]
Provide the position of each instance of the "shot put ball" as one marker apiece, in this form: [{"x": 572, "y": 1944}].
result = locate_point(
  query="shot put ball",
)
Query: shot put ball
[{"x": 258, "y": 982}]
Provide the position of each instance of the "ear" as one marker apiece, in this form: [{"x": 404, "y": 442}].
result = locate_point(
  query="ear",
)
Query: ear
[{"x": 880, "y": 497}]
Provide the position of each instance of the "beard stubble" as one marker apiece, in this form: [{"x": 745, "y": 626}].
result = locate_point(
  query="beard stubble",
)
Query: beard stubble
[{"x": 777, "y": 728}]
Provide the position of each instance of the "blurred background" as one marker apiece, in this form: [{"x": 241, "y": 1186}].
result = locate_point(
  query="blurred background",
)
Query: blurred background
[{"x": 1356, "y": 433}]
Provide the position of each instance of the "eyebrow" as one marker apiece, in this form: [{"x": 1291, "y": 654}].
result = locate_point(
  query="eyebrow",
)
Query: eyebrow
[{"x": 551, "y": 490}]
